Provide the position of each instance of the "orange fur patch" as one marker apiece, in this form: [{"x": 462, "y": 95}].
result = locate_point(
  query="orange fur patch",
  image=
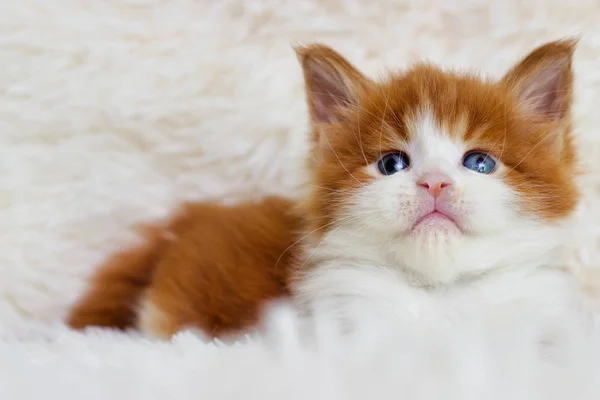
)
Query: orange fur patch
[
  {"x": 212, "y": 267},
  {"x": 115, "y": 290}
]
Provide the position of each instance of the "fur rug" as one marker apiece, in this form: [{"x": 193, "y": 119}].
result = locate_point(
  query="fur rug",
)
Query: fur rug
[{"x": 112, "y": 112}]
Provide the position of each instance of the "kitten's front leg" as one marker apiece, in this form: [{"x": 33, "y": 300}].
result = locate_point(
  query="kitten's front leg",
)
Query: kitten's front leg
[{"x": 352, "y": 293}]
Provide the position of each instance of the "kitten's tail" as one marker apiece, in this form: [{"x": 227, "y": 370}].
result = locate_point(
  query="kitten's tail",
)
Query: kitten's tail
[{"x": 116, "y": 290}]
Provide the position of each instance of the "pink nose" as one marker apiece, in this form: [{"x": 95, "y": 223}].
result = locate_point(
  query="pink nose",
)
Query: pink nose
[{"x": 435, "y": 183}]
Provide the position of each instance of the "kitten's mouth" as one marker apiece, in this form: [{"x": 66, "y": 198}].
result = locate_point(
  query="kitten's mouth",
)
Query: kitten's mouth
[{"x": 435, "y": 221}]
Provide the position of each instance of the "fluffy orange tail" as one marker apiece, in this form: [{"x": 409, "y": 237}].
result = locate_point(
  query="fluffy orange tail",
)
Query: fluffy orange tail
[{"x": 115, "y": 291}]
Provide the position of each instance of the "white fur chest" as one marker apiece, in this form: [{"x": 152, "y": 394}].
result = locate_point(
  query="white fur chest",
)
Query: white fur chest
[{"x": 357, "y": 295}]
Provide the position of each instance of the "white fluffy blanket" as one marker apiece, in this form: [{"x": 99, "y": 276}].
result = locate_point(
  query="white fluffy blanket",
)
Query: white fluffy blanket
[{"x": 113, "y": 111}]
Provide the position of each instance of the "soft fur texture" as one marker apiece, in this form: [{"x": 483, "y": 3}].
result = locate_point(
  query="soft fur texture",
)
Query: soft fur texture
[
  {"x": 374, "y": 230},
  {"x": 111, "y": 113},
  {"x": 211, "y": 267},
  {"x": 429, "y": 218}
]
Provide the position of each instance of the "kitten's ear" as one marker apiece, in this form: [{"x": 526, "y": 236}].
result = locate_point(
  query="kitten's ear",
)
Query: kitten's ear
[
  {"x": 542, "y": 82},
  {"x": 332, "y": 83}
]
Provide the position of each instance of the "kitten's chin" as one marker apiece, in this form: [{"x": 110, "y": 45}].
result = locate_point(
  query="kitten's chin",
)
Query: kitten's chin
[
  {"x": 429, "y": 249},
  {"x": 435, "y": 224}
]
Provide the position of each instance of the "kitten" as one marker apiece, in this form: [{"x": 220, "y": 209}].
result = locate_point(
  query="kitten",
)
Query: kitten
[{"x": 428, "y": 189}]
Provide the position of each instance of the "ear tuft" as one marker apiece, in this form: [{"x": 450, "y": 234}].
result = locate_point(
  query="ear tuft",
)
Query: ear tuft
[
  {"x": 332, "y": 83},
  {"x": 542, "y": 82}
]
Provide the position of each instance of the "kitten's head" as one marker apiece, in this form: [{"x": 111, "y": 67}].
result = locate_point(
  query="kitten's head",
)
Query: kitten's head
[{"x": 442, "y": 174}]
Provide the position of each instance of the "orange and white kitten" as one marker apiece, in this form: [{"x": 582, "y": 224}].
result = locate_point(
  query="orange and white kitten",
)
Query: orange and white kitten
[{"x": 433, "y": 192}]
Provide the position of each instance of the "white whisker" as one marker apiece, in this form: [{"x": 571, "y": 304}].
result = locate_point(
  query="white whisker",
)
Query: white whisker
[
  {"x": 354, "y": 216},
  {"x": 340, "y": 161}
]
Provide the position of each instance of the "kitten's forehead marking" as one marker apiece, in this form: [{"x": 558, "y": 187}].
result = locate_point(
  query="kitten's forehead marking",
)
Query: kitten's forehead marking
[{"x": 433, "y": 144}]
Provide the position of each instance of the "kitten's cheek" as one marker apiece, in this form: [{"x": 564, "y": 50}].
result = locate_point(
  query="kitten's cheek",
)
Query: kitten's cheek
[{"x": 487, "y": 218}]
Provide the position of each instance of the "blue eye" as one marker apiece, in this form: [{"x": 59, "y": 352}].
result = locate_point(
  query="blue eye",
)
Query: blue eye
[
  {"x": 479, "y": 162},
  {"x": 393, "y": 162}
]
